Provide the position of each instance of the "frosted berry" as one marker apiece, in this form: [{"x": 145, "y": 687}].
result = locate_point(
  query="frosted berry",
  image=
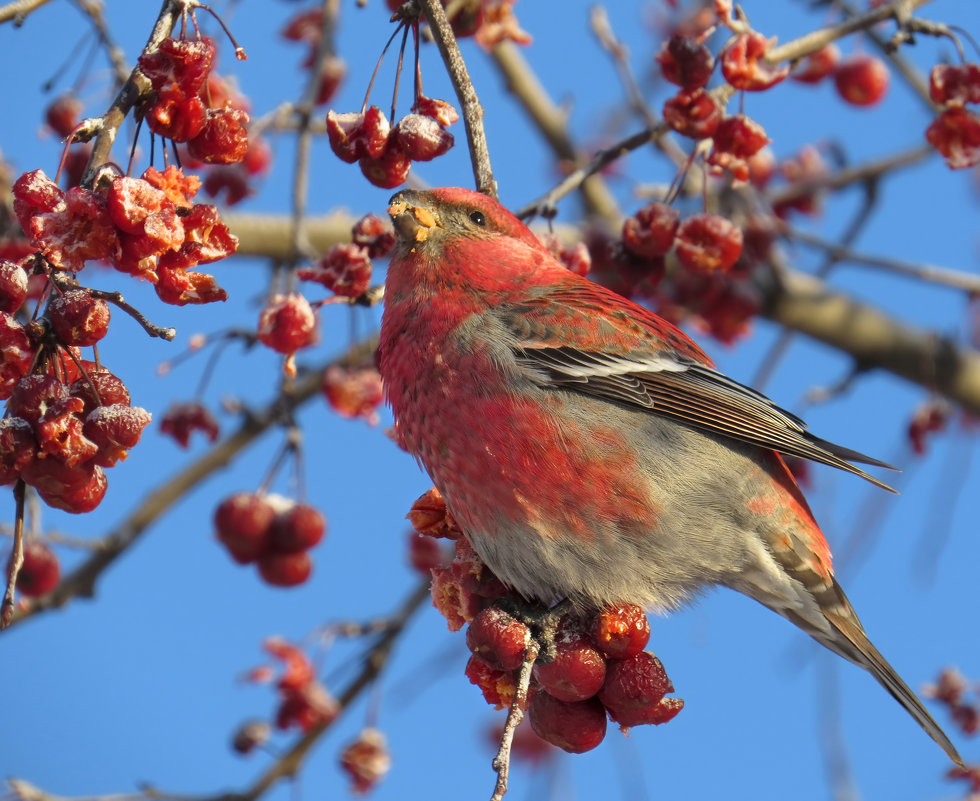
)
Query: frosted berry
[
  {"x": 498, "y": 639},
  {"x": 621, "y": 631},
  {"x": 575, "y": 727},
  {"x": 388, "y": 170},
  {"x": 34, "y": 395},
  {"x": 695, "y": 114},
  {"x": 13, "y": 286},
  {"x": 40, "y": 572},
  {"x": 956, "y": 135},
  {"x": 98, "y": 387},
  {"x": 366, "y": 760},
  {"x": 353, "y": 393},
  {"x": 955, "y": 84},
  {"x": 357, "y": 135},
  {"x": 78, "y": 318},
  {"x": 344, "y": 269},
  {"x": 115, "y": 430},
  {"x": 224, "y": 137},
  {"x": 375, "y": 235},
  {"x": 421, "y": 138},
  {"x": 16, "y": 354}
]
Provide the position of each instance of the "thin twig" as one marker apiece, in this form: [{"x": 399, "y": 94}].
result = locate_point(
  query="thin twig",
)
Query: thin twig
[
  {"x": 476, "y": 136},
  {"x": 117, "y": 299},
  {"x": 501, "y": 762},
  {"x": 16, "y": 560}
]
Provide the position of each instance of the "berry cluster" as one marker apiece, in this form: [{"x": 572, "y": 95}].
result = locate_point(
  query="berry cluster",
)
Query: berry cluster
[
  {"x": 955, "y": 133},
  {"x": 274, "y": 532},
  {"x": 384, "y": 152},
  {"x": 598, "y": 666},
  {"x": 345, "y": 269},
  {"x": 490, "y": 22},
  {"x": 366, "y": 760},
  {"x": 304, "y": 702},
  {"x": 62, "y": 428},
  {"x": 182, "y": 107},
  {"x": 147, "y": 227}
]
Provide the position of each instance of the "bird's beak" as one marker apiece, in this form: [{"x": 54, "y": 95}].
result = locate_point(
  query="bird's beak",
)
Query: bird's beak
[{"x": 412, "y": 221}]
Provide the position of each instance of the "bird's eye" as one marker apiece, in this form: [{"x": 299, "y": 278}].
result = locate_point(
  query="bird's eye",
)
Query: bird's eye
[{"x": 478, "y": 218}]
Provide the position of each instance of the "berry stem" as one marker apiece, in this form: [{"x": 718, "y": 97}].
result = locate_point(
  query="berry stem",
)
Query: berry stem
[
  {"x": 501, "y": 762},
  {"x": 16, "y": 557},
  {"x": 116, "y": 298}
]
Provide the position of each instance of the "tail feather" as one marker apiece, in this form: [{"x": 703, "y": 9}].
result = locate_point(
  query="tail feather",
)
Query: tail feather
[{"x": 863, "y": 653}]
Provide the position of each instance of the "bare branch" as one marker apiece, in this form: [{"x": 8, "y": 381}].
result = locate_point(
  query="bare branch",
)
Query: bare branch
[
  {"x": 19, "y": 9},
  {"x": 442, "y": 32},
  {"x": 501, "y": 762}
]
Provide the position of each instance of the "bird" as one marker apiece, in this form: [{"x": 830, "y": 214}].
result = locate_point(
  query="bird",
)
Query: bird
[{"x": 588, "y": 448}]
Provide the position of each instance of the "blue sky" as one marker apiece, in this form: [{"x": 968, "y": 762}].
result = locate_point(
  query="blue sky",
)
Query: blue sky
[{"x": 141, "y": 683}]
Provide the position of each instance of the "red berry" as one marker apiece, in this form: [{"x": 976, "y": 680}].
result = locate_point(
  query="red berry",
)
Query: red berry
[
  {"x": 34, "y": 395},
  {"x": 744, "y": 67},
  {"x": 243, "y": 523},
  {"x": 115, "y": 430},
  {"x": 183, "y": 63},
  {"x": 388, "y": 170},
  {"x": 297, "y": 529},
  {"x": 285, "y": 569},
  {"x": 98, "y": 387},
  {"x": 621, "y": 631},
  {"x": 358, "y": 135},
  {"x": 650, "y": 232},
  {"x": 577, "y": 671},
  {"x": 18, "y": 448},
  {"x": 78, "y": 318},
  {"x": 332, "y": 72},
  {"x": 634, "y": 688},
  {"x": 224, "y": 137},
  {"x": 16, "y": 354},
  {"x": 686, "y": 62},
  {"x": 287, "y": 323},
  {"x": 861, "y": 80},
  {"x": 344, "y": 269},
  {"x": 575, "y": 727},
  {"x": 430, "y": 516},
  {"x": 737, "y": 139},
  {"x": 695, "y": 114},
  {"x": 818, "y": 65},
  {"x": 76, "y": 490},
  {"x": 353, "y": 393},
  {"x": 40, "y": 572},
  {"x": 442, "y": 112},
  {"x": 707, "y": 242},
  {"x": 62, "y": 114},
  {"x": 498, "y": 639},
  {"x": 175, "y": 115}
]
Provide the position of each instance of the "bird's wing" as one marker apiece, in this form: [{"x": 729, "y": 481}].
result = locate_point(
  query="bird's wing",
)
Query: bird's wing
[{"x": 647, "y": 363}]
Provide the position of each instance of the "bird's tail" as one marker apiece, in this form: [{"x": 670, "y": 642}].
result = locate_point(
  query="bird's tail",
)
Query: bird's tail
[{"x": 850, "y": 641}]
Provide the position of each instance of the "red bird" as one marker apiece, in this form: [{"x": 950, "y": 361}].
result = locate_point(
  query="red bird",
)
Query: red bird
[{"x": 588, "y": 448}]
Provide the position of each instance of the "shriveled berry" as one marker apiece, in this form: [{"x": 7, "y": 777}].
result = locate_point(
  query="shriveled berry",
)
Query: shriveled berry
[
  {"x": 353, "y": 393},
  {"x": 442, "y": 112},
  {"x": 650, "y": 232},
  {"x": 243, "y": 524},
  {"x": 861, "y": 80},
  {"x": 375, "y": 235},
  {"x": 955, "y": 84},
  {"x": 344, "y": 269},
  {"x": 78, "y": 318},
  {"x": 366, "y": 760},
  {"x": 115, "y": 430},
  {"x": 285, "y": 569},
  {"x": 577, "y": 671},
  {"x": 224, "y": 137},
  {"x": 956, "y": 135},
  {"x": 18, "y": 447},
  {"x": 498, "y": 686},
  {"x": 575, "y": 727},
  {"x": 621, "y": 631},
  {"x": 98, "y": 387},
  {"x": 634, "y": 687},
  {"x": 430, "y": 516},
  {"x": 34, "y": 395},
  {"x": 686, "y": 62},
  {"x": 498, "y": 639},
  {"x": 744, "y": 67},
  {"x": 297, "y": 529},
  {"x": 695, "y": 114},
  {"x": 77, "y": 496},
  {"x": 287, "y": 323},
  {"x": 40, "y": 572},
  {"x": 183, "y": 419},
  {"x": 707, "y": 242},
  {"x": 16, "y": 354}
]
